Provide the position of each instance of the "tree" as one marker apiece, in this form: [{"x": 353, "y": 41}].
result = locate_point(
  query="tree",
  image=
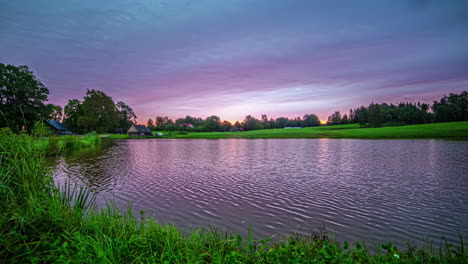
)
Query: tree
[
  {"x": 375, "y": 115},
  {"x": 150, "y": 124},
  {"x": 126, "y": 115},
  {"x": 71, "y": 113},
  {"x": 212, "y": 123},
  {"x": 334, "y": 119},
  {"x": 54, "y": 112},
  {"x": 345, "y": 119},
  {"x": 250, "y": 123},
  {"x": 451, "y": 108},
  {"x": 311, "y": 120},
  {"x": 22, "y": 98},
  {"x": 99, "y": 113},
  {"x": 226, "y": 125},
  {"x": 180, "y": 121}
]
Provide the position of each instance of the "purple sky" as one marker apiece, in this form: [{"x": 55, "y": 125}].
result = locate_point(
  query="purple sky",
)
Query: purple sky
[{"x": 233, "y": 58}]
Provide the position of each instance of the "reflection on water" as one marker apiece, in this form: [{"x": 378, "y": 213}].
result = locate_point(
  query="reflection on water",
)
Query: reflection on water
[{"x": 378, "y": 190}]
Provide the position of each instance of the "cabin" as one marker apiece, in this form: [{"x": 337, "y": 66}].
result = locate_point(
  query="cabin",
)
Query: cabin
[
  {"x": 234, "y": 129},
  {"x": 57, "y": 127},
  {"x": 139, "y": 131}
]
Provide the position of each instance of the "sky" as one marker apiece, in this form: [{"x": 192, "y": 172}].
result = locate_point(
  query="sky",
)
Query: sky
[{"x": 233, "y": 58}]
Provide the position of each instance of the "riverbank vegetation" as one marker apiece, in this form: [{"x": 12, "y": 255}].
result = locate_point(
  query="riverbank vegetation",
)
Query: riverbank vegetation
[
  {"x": 451, "y": 130},
  {"x": 43, "y": 223}
]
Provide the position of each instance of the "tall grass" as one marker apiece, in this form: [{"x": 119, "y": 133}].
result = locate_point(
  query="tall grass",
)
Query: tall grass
[
  {"x": 42, "y": 223},
  {"x": 54, "y": 145}
]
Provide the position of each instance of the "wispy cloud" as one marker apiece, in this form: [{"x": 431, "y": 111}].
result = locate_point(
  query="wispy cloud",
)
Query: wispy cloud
[{"x": 241, "y": 57}]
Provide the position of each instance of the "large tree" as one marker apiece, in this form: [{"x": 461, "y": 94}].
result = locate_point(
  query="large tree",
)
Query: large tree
[
  {"x": 212, "y": 123},
  {"x": 126, "y": 115},
  {"x": 22, "y": 98},
  {"x": 71, "y": 113},
  {"x": 99, "y": 112},
  {"x": 334, "y": 119},
  {"x": 311, "y": 120}
]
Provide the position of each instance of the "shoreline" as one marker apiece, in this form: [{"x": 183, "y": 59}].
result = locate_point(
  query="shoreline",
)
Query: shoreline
[{"x": 444, "y": 131}]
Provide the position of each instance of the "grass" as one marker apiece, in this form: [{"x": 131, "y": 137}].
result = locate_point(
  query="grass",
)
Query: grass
[
  {"x": 452, "y": 130},
  {"x": 43, "y": 223},
  {"x": 54, "y": 145}
]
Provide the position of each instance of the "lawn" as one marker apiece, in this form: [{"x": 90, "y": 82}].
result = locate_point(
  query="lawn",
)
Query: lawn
[{"x": 453, "y": 130}]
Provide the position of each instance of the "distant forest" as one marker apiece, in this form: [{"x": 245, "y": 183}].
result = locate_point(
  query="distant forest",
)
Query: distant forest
[
  {"x": 448, "y": 109},
  {"x": 23, "y": 104}
]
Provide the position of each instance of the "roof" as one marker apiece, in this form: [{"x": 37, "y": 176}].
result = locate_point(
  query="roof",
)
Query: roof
[
  {"x": 56, "y": 124},
  {"x": 139, "y": 128}
]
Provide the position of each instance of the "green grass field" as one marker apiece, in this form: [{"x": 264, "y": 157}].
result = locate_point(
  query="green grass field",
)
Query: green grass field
[{"x": 453, "y": 130}]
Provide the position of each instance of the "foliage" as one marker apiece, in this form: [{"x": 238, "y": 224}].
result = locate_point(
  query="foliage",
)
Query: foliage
[
  {"x": 42, "y": 223},
  {"x": 311, "y": 121},
  {"x": 334, "y": 119},
  {"x": 98, "y": 113},
  {"x": 54, "y": 112},
  {"x": 150, "y": 124},
  {"x": 22, "y": 98},
  {"x": 72, "y": 112},
  {"x": 126, "y": 115},
  {"x": 54, "y": 145},
  {"x": 212, "y": 123},
  {"x": 451, "y": 108}
]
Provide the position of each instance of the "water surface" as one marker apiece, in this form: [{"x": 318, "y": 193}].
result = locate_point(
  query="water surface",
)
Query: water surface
[{"x": 377, "y": 190}]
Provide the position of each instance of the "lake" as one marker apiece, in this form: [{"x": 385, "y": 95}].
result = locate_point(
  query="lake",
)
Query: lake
[{"x": 376, "y": 190}]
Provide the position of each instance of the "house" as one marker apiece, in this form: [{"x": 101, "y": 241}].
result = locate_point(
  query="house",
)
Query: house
[
  {"x": 188, "y": 125},
  {"x": 234, "y": 129},
  {"x": 57, "y": 127},
  {"x": 139, "y": 131}
]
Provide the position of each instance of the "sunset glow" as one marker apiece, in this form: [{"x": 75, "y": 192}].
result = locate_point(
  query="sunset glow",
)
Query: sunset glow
[{"x": 235, "y": 58}]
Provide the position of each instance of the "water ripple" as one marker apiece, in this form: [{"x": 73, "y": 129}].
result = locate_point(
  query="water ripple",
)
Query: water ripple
[{"x": 398, "y": 190}]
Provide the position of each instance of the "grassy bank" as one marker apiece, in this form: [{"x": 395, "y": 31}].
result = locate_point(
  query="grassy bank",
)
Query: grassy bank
[
  {"x": 54, "y": 145},
  {"x": 41, "y": 223},
  {"x": 453, "y": 130}
]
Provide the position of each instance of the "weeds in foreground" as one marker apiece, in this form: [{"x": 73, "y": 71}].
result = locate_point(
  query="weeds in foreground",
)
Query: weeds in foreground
[{"x": 42, "y": 223}]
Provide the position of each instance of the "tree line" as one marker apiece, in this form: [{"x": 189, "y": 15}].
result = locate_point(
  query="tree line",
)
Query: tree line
[
  {"x": 214, "y": 123},
  {"x": 23, "y": 97},
  {"x": 451, "y": 108},
  {"x": 22, "y": 105}
]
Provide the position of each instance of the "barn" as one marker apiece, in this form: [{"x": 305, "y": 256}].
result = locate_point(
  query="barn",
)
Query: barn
[
  {"x": 57, "y": 127},
  {"x": 139, "y": 131}
]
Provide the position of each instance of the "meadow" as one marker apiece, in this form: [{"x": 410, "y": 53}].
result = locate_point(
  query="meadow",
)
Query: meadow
[
  {"x": 41, "y": 222},
  {"x": 452, "y": 130}
]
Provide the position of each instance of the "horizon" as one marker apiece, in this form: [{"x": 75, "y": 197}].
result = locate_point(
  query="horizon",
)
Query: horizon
[{"x": 232, "y": 59}]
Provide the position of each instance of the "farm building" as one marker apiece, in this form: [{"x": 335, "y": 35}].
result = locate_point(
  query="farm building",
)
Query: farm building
[
  {"x": 139, "y": 131},
  {"x": 188, "y": 125},
  {"x": 57, "y": 127}
]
